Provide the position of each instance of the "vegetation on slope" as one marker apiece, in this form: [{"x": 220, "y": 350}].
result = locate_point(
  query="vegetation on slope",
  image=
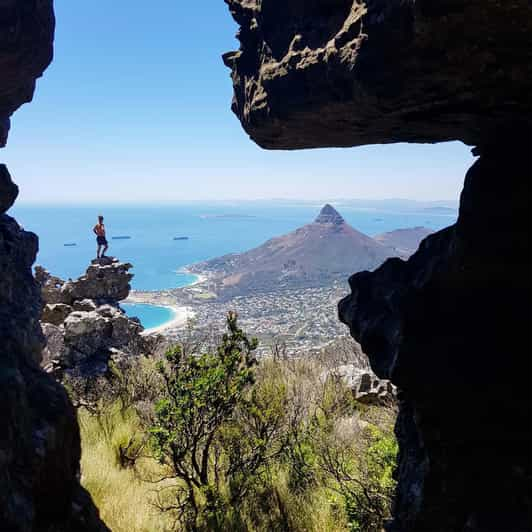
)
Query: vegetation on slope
[{"x": 208, "y": 439}]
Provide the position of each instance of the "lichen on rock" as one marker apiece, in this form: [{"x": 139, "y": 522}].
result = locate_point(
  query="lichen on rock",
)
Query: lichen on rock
[{"x": 322, "y": 73}]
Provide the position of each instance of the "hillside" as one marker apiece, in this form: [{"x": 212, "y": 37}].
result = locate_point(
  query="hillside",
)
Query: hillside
[
  {"x": 313, "y": 255},
  {"x": 404, "y": 241}
]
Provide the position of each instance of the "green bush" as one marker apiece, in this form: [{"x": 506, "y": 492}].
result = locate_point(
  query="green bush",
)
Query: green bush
[
  {"x": 201, "y": 394},
  {"x": 368, "y": 495}
]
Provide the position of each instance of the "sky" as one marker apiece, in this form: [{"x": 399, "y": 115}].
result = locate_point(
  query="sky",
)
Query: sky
[{"x": 136, "y": 108}]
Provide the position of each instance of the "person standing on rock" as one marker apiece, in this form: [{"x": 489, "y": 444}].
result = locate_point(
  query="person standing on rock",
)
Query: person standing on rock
[{"x": 101, "y": 241}]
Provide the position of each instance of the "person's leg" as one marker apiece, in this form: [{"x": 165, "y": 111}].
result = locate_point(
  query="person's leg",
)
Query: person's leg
[
  {"x": 98, "y": 251},
  {"x": 104, "y": 249}
]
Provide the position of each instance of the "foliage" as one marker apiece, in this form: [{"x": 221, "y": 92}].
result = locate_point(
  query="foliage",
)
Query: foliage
[
  {"x": 208, "y": 439},
  {"x": 201, "y": 394},
  {"x": 361, "y": 472}
]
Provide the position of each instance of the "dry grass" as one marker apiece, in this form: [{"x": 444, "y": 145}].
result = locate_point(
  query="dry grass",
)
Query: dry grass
[{"x": 124, "y": 500}]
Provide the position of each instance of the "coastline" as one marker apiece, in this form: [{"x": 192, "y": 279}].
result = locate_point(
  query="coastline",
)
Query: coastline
[
  {"x": 164, "y": 298},
  {"x": 181, "y": 315},
  {"x": 200, "y": 278}
]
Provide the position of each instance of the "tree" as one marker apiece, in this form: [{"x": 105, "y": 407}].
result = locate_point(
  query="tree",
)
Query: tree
[{"x": 201, "y": 393}]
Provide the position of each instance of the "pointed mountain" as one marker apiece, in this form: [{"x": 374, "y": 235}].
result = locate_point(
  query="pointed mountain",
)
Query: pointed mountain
[
  {"x": 316, "y": 254},
  {"x": 329, "y": 215}
]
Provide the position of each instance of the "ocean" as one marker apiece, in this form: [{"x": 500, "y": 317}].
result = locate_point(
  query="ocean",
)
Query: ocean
[
  {"x": 150, "y": 315},
  {"x": 212, "y": 229}
]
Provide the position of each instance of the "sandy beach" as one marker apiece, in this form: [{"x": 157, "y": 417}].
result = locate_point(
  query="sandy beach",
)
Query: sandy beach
[{"x": 181, "y": 314}]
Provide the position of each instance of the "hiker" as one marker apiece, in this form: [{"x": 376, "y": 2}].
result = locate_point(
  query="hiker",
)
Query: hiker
[{"x": 99, "y": 231}]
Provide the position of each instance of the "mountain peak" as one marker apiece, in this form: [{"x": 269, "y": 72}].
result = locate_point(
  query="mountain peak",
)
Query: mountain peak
[{"x": 329, "y": 215}]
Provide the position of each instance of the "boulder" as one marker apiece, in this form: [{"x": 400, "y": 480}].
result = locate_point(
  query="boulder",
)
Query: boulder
[
  {"x": 89, "y": 338},
  {"x": 104, "y": 281},
  {"x": 450, "y": 327},
  {"x": 87, "y": 332},
  {"x": 52, "y": 288},
  {"x": 54, "y": 352},
  {"x": 8, "y": 190},
  {"x": 367, "y": 387},
  {"x": 85, "y": 305},
  {"x": 55, "y": 313},
  {"x": 104, "y": 261}
]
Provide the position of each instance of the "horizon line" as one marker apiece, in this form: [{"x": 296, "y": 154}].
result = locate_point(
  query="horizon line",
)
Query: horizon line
[{"x": 65, "y": 203}]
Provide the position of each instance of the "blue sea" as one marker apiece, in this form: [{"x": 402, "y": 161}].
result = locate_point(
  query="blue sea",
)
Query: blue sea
[
  {"x": 150, "y": 315},
  {"x": 213, "y": 229}
]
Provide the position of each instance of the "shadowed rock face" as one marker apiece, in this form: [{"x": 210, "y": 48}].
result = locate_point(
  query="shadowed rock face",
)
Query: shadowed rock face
[
  {"x": 451, "y": 326},
  {"x": 39, "y": 435},
  {"x": 26, "y": 49},
  {"x": 318, "y": 73}
]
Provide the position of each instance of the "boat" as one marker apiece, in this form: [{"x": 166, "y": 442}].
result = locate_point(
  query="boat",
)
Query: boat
[
  {"x": 124, "y": 237},
  {"x": 180, "y": 237},
  {"x": 70, "y": 244}
]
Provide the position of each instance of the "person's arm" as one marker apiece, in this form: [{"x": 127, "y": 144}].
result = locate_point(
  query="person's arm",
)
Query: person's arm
[{"x": 94, "y": 230}]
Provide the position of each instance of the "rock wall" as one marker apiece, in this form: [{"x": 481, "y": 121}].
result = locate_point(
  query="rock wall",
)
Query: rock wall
[
  {"x": 451, "y": 326},
  {"x": 39, "y": 435}
]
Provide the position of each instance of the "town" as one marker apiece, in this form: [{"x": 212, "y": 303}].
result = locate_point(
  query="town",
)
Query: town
[{"x": 303, "y": 319}]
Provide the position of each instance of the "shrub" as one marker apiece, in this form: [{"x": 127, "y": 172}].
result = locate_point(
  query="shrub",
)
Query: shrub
[
  {"x": 201, "y": 394},
  {"x": 236, "y": 445}
]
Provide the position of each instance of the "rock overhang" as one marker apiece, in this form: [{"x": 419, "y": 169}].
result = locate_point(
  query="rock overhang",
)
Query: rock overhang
[
  {"x": 344, "y": 73},
  {"x": 26, "y": 49}
]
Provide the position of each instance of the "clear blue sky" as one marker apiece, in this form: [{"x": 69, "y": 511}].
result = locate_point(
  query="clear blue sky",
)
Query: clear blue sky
[{"x": 136, "y": 107}]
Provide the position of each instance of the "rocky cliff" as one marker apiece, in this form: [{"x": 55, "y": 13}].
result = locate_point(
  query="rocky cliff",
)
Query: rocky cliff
[
  {"x": 450, "y": 327},
  {"x": 39, "y": 436},
  {"x": 84, "y": 327}
]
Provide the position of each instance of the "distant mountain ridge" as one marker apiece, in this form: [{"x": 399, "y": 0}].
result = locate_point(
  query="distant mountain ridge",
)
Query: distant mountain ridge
[
  {"x": 316, "y": 254},
  {"x": 404, "y": 241}
]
